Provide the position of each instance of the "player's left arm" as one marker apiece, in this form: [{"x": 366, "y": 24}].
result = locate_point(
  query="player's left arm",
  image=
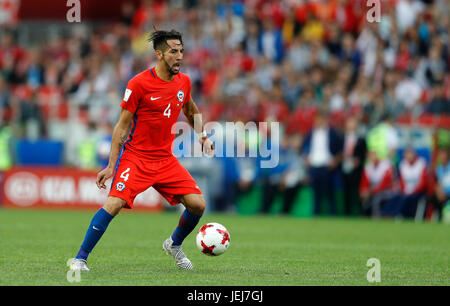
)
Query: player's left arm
[{"x": 194, "y": 118}]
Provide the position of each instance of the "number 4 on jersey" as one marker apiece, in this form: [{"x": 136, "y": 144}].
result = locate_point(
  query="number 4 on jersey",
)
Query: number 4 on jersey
[
  {"x": 125, "y": 174},
  {"x": 167, "y": 111}
]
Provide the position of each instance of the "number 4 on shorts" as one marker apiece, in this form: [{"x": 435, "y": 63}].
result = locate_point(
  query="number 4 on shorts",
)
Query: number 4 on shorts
[{"x": 125, "y": 174}]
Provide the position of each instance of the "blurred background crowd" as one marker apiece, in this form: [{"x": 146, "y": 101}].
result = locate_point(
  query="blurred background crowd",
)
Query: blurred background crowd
[{"x": 363, "y": 107}]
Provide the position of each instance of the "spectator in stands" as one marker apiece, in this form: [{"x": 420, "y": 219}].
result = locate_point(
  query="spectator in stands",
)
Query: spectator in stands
[
  {"x": 354, "y": 155},
  {"x": 313, "y": 29},
  {"x": 246, "y": 171},
  {"x": 349, "y": 51},
  {"x": 286, "y": 178},
  {"x": 441, "y": 194},
  {"x": 294, "y": 178},
  {"x": 6, "y": 150},
  {"x": 11, "y": 55},
  {"x": 322, "y": 153},
  {"x": 408, "y": 91},
  {"x": 270, "y": 178},
  {"x": 407, "y": 12},
  {"x": 251, "y": 39},
  {"x": 377, "y": 183},
  {"x": 270, "y": 41},
  {"x": 412, "y": 178},
  {"x": 435, "y": 65},
  {"x": 127, "y": 11},
  {"x": 439, "y": 104},
  {"x": 394, "y": 108},
  {"x": 31, "y": 119},
  {"x": 4, "y": 99},
  {"x": 291, "y": 87},
  {"x": 383, "y": 138}
]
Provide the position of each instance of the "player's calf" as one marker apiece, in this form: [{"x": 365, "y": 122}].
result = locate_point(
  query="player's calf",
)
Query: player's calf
[
  {"x": 98, "y": 226},
  {"x": 188, "y": 219}
]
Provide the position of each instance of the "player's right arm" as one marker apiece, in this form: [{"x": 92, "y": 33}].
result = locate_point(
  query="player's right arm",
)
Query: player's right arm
[
  {"x": 129, "y": 106},
  {"x": 119, "y": 136}
]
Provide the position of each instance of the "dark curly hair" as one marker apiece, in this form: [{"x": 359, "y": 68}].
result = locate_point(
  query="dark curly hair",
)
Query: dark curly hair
[{"x": 159, "y": 38}]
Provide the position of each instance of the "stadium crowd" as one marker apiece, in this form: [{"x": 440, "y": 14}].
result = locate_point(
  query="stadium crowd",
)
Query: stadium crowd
[{"x": 339, "y": 85}]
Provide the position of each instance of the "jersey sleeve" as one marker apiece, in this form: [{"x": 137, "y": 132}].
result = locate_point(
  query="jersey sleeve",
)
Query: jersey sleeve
[{"x": 132, "y": 96}]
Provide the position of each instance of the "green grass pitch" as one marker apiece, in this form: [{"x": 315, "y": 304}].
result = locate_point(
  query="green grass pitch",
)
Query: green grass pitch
[{"x": 264, "y": 251}]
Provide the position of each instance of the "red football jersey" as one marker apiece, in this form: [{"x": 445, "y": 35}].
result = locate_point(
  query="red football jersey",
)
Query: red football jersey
[{"x": 156, "y": 105}]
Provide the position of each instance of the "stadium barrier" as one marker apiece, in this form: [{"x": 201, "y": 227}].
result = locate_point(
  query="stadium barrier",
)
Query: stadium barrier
[
  {"x": 63, "y": 188},
  {"x": 250, "y": 203}
]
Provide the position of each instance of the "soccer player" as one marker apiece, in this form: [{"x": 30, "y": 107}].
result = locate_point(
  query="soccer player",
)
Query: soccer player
[{"x": 141, "y": 149}]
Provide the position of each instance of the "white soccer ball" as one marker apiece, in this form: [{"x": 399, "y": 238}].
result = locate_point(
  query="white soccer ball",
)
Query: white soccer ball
[{"x": 213, "y": 239}]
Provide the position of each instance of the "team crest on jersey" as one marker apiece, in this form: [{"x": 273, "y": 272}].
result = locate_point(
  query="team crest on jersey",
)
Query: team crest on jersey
[
  {"x": 180, "y": 95},
  {"x": 120, "y": 186}
]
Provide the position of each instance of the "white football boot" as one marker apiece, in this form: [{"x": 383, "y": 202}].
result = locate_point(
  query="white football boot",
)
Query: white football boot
[
  {"x": 177, "y": 252},
  {"x": 79, "y": 265}
]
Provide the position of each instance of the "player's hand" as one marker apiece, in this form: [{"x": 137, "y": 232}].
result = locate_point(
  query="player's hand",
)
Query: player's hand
[
  {"x": 103, "y": 176},
  {"x": 207, "y": 146}
]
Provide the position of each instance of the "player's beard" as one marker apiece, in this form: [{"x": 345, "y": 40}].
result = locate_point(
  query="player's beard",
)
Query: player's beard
[{"x": 169, "y": 68}]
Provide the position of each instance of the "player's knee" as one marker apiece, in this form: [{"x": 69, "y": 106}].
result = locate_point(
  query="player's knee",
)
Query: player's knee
[
  {"x": 201, "y": 207},
  {"x": 198, "y": 206},
  {"x": 113, "y": 205}
]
